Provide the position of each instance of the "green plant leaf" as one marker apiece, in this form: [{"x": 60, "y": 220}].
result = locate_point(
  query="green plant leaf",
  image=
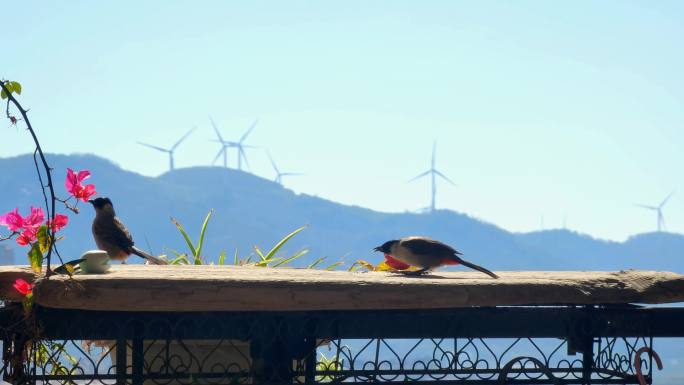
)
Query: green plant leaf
[
  {"x": 16, "y": 87},
  {"x": 266, "y": 262},
  {"x": 334, "y": 265},
  {"x": 283, "y": 241},
  {"x": 235, "y": 258},
  {"x": 222, "y": 258},
  {"x": 180, "y": 228},
  {"x": 180, "y": 260},
  {"x": 291, "y": 258},
  {"x": 316, "y": 262},
  {"x": 3, "y": 94},
  {"x": 35, "y": 257},
  {"x": 202, "y": 231},
  {"x": 361, "y": 264},
  {"x": 261, "y": 255},
  {"x": 43, "y": 239}
]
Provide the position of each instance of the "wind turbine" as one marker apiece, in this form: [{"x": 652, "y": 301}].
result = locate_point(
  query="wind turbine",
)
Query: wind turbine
[
  {"x": 225, "y": 144},
  {"x": 434, "y": 173},
  {"x": 279, "y": 175},
  {"x": 659, "y": 210},
  {"x": 171, "y": 150}
]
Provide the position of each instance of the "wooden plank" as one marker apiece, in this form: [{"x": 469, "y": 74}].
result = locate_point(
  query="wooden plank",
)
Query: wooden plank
[{"x": 235, "y": 288}]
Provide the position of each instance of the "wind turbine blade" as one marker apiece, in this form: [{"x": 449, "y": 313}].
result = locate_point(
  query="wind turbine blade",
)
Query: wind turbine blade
[
  {"x": 445, "y": 177},
  {"x": 153, "y": 147},
  {"x": 434, "y": 152},
  {"x": 419, "y": 176},
  {"x": 249, "y": 131},
  {"x": 273, "y": 163},
  {"x": 243, "y": 156},
  {"x": 216, "y": 129},
  {"x": 182, "y": 138},
  {"x": 646, "y": 207},
  {"x": 665, "y": 200},
  {"x": 218, "y": 155}
]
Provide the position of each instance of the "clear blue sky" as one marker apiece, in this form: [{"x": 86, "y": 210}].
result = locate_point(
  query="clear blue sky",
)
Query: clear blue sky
[{"x": 540, "y": 108}]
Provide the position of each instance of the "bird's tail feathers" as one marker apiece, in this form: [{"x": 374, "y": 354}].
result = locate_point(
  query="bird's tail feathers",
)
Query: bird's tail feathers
[
  {"x": 154, "y": 260},
  {"x": 478, "y": 268}
]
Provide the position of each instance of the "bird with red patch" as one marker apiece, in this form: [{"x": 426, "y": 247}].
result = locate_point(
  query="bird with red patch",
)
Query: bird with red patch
[{"x": 424, "y": 253}]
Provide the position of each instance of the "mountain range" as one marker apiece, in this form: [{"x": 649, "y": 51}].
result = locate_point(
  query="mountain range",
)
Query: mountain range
[{"x": 249, "y": 210}]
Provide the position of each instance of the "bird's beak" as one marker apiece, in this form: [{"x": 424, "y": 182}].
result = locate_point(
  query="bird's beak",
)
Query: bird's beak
[
  {"x": 91, "y": 201},
  {"x": 377, "y": 248}
]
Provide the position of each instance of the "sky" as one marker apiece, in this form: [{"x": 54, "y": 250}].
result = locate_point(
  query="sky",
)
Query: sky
[{"x": 545, "y": 114}]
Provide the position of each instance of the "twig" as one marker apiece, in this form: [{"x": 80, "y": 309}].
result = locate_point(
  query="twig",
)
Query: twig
[
  {"x": 48, "y": 171},
  {"x": 8, "y": 237}
]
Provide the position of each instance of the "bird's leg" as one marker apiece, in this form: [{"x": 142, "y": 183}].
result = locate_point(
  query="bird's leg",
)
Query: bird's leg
[{"x": 414, "y": 273}]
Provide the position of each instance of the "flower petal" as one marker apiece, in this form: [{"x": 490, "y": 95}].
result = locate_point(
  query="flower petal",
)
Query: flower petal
[
  {"x": 35, "y": 219},
  {"x": 71, "y": 181},
  {"x": 60, "y": 221},
  {"x": 26, "y": 237},
  {"x": 12, "y": 220},
  {"x": 88, "y": 191},
  {"x": 82, "y": 175},
  {"x": 23, "y": 287}
]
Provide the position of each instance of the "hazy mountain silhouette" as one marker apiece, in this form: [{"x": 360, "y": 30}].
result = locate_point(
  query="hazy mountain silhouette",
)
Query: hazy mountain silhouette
[{"x": 250, "y": 210}]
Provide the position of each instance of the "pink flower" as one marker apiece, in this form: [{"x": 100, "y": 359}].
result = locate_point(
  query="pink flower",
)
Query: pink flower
[
  {"x": 75, "y": 187},
  {"x": 27, "y": 227},
  {"x": 27, "y": 236},
  {"x": 59, "y": 222},
  {"x": 23, "y": 287},
  {"x": 33, "y": 220},
  {"x": 12, "y": 220}
]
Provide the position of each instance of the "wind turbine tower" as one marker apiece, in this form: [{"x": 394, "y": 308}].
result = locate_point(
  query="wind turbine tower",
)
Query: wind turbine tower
[
  {"x": 279, "y": 175},
  {"x": 226, "y": 144},
  {"x": 659, "y": 211},
  {"x": 433, "y": 173},
  {"x": 171, "y": 150}
]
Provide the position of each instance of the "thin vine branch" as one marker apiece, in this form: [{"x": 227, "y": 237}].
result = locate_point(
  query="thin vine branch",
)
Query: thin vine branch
[
  {"x": 8, "y": 237},
  {"x": 49, "y": 206}
]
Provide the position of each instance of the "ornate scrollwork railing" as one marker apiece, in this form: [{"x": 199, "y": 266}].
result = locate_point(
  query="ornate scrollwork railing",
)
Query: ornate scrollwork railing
[{"x": 463, "y": 346}]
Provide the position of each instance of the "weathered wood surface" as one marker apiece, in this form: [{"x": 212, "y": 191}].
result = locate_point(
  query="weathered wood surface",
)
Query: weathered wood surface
[{"x": 226, "y": 288}]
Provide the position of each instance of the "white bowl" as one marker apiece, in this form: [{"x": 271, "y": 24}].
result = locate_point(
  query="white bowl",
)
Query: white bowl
[{"x": 96, "y": 262}]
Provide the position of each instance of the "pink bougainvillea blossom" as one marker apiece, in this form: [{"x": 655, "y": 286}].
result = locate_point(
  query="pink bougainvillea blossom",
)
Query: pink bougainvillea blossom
[
  {"x": 27, "y": 236},
  {"x": 33, "y": 220},
  {"x": 28, "y": 226},
  {"x": 12, "y": 220},
  {"x": 23, "y": 287},
  {"x": 74, "y": 185},
  {"x": 60, "y": 221}
]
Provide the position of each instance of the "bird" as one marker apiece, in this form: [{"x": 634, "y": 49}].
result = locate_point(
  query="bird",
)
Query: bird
[
  {"x": 424, "y": 253},
  {"x": 112, "y": 236}
]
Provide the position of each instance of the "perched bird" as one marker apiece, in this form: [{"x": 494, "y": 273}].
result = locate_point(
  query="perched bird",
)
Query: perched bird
[
  {"x": 425, "y": 253},
  {"x": 112, "y": 236}
]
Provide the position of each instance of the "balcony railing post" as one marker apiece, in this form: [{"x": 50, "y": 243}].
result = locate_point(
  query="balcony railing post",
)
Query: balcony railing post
[
  {"x": 121, "y": 361},
  {"x": 138, "y": 361}
]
